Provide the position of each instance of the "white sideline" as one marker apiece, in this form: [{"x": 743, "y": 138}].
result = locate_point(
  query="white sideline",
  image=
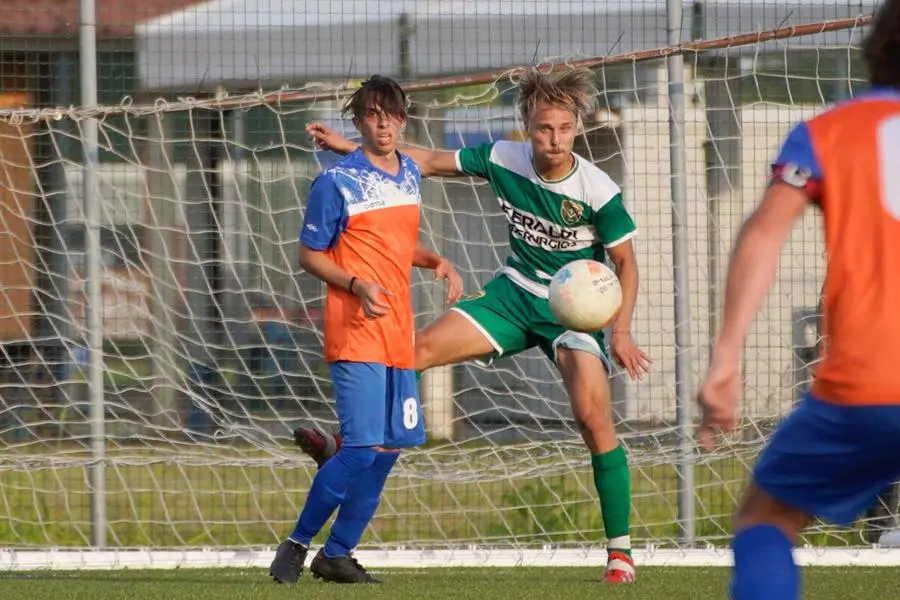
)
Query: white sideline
[{"x": 67, "y": 559}]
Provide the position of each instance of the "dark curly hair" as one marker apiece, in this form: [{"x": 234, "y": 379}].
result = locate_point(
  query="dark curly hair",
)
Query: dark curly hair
[
  {"x": 379, "y": 91},
  {"x": 881, "y": 48}
]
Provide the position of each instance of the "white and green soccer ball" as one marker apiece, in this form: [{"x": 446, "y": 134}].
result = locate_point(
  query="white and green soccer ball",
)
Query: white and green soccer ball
[{"x": 585, "y": 295}]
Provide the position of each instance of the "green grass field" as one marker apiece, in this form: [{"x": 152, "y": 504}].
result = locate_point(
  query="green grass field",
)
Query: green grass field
[
  {"x": 207, "y": 498},
  {"x": 459, "y": 584}
]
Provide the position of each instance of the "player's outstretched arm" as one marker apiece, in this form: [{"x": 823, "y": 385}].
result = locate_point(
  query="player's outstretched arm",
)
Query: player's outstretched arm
[
  {"x": 751, "y": 274},
  {"x": 443, "y": 269},
  {"x": 431, "y": 163},
  {"x": 624, "y": 350}
]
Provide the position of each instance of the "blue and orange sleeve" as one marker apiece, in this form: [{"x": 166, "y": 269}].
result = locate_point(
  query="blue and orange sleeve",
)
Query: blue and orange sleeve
[
  {"x": 796, "y": 164},
  {"x": 326, "y": 215}
]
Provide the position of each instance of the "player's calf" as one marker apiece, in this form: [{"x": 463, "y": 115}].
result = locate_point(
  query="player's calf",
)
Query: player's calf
[{"x": 583, "y": 367}]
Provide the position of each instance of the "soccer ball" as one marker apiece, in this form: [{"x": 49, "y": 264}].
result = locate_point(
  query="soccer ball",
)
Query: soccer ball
[{"x": 585, "y": 295}]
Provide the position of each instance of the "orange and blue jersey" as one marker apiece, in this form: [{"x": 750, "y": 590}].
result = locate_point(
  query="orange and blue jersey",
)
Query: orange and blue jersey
[
  {"x": 367, "y": 221},
  {"x": 838, "y": 449},
  {"x": 848, "y": 161}
]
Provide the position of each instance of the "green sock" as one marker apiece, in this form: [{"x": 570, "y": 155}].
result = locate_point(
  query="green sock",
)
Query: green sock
[{"x": 614, "y": 489}]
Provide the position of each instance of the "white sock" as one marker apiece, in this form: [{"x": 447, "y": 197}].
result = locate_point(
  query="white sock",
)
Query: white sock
[{"x": 623, "y": 542}]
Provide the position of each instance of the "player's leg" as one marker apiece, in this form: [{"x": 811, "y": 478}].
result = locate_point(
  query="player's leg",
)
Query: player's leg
[
  {"x": 825, "y": 460},
  {"x": 335, "y": 562},
  {"x": 404, "y": 428},
  {"x": 362, "y": 427},
  {"x": 766, "y": 530},
  {"x": 584, "y": 369},
  {"x": 489, "y": 323}
]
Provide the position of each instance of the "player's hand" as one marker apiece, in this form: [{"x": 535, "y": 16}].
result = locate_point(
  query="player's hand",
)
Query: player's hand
[
  {"x": 373, "y": 298},
  {"x": 628, "y": 355},
  {"x": 718, "y": 399},
  {"x": 446, "y": 270},
  {"x": 327, "y": 138}
]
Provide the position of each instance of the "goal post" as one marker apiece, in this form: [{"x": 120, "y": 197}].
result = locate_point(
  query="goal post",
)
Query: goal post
[{"x": 201, "y": 201}]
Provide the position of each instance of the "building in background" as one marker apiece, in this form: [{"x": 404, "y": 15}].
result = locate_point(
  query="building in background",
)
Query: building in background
[{"x": 43, "y": 234}]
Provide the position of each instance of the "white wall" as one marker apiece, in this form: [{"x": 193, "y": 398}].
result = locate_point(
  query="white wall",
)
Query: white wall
[{"x": 769, "y": 358}]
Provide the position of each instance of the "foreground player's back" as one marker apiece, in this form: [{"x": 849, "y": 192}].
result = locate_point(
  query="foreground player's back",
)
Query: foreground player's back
[{"x": 854, "y": 162}]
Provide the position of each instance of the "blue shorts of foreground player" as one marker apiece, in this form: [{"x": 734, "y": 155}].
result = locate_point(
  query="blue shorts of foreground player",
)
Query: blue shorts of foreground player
[
  {"x": 831, "y": 460},
  {"x": 377, "y": 405}
]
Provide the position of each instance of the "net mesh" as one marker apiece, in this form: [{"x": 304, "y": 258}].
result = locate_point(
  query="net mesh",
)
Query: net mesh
[{"x": 212, "y": 338}]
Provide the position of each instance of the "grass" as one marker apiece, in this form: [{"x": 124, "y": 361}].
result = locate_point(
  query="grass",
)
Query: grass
[
  {"x": 461, "y": 584},
  {"x": 226, "y": 496}
]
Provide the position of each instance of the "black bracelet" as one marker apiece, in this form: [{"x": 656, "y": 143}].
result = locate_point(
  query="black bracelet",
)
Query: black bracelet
[{"x": 350, "y": 287}]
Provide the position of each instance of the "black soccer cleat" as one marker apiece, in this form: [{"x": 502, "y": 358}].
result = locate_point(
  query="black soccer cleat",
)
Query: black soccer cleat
[
  {"x": 339, "y": 569},
  {"x": 288, "y": 563}
]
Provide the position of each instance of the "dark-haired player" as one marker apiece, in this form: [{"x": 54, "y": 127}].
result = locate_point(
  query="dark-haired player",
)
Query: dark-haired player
[
  {"x": 360, "y": 236},
  {"x": 838, "y": 449}
]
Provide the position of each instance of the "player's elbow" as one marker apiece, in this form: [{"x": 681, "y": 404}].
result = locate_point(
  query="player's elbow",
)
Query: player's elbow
[{"x": 623, "y": 259}]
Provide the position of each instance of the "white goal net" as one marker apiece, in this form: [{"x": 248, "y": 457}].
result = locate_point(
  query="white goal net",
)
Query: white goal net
[{"x": 211, "y": 333}]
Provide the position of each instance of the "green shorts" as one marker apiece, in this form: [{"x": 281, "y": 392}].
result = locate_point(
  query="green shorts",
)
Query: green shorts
[{"x": 514, "y": 320}]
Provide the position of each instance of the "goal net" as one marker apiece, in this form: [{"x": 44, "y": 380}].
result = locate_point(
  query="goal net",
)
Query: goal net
[{"x": 212, "y": 335}]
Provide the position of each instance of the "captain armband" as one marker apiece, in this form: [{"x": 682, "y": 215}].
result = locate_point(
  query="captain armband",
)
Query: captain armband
[{"x": 797, "y": 176}]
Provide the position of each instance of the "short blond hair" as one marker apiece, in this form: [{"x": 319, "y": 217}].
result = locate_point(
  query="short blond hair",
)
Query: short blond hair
[{"x": 565, "y": 87}]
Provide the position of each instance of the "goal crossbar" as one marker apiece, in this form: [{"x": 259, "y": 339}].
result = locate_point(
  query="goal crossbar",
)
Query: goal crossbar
[{"x": 318, "y": 92}]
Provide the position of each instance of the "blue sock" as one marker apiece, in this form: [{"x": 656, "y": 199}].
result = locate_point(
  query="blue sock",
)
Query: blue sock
[
  {"x": 358, "y": 509},
  {"x": 764, "y": 567},
  {"x": 329, "y": 489}
]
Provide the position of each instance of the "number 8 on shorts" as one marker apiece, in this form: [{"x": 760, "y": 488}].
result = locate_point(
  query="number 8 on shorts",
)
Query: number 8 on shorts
[
  {"x": 410, "y": 413},
  {"x": 377, "y": 405}
]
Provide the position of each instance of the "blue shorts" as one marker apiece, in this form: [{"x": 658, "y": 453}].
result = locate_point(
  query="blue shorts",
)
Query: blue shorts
[
  {"x": 832, "y": 461},
  {"x": 377, "y": 405}
]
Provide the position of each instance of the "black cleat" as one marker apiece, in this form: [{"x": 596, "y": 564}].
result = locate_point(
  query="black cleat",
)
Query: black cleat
[
  {"x": 339, "y": 569},
  {"x": 288, "y": 563}
]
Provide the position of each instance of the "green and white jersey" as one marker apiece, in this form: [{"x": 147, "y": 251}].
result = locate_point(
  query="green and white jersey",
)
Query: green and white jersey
[{"x": 550, "y": 222}]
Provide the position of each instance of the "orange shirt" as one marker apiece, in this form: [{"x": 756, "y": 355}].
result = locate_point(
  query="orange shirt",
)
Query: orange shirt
[
  {"x": 367, "y": 222},
  {"x": 848, "y": 160}
]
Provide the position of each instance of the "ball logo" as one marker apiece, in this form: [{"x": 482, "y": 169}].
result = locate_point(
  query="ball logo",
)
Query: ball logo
[
  {"x": 571, "y": 212},
  {"x": 596, "y": 268},
  {"x": 565, "y": 276},
  {"x": 603, "y": 277}
]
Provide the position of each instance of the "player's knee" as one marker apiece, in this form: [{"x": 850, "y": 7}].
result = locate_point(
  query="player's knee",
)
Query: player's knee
[
  {"x": 757, "y": 507},
  {"x": 357, "y": 458},
  {"x": 425, "y": 351}
]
